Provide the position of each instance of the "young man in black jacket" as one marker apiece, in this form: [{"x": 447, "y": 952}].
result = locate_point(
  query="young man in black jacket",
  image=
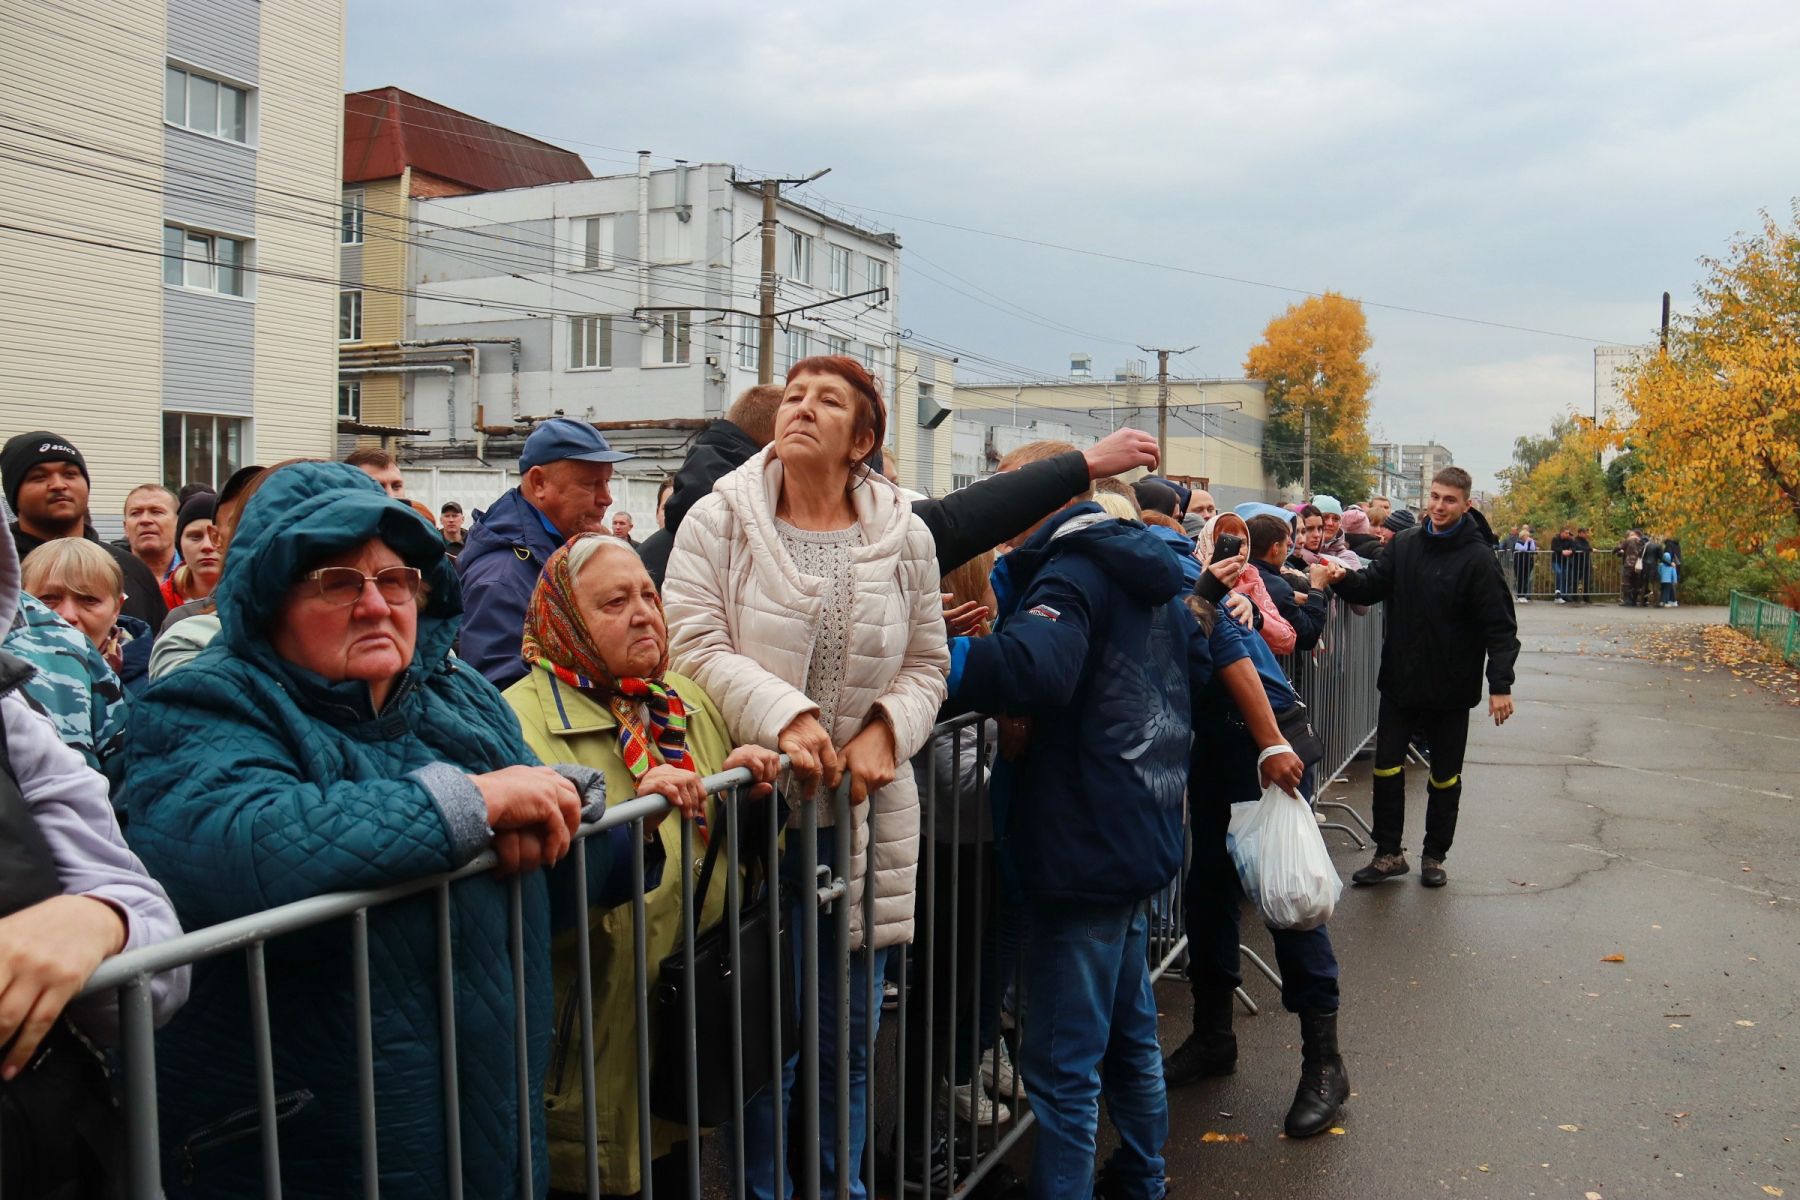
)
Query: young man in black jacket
[{"x": 1448, "y": 608}]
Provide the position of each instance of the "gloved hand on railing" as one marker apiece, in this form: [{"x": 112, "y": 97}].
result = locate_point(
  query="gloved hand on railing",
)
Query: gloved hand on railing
[{"x": 533, "y": 812}]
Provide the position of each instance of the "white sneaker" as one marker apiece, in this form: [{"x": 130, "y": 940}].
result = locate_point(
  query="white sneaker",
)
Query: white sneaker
[
  {"x": 972, "y": 1101},
  {"x": 1524, "y": 599},
  {"x": 998, "y": 1073},
  {"x": 1560, "y": 600}
]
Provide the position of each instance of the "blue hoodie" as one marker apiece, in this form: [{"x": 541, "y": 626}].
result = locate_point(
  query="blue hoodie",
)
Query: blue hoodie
[
  {"x": 1096, "y": 646},
  {"x": 1183, "y": 546},
  {"x": 501, "y": 560}
]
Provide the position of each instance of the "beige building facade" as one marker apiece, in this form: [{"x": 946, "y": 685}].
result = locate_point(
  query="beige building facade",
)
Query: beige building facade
[{"x": 170, "y": 280}]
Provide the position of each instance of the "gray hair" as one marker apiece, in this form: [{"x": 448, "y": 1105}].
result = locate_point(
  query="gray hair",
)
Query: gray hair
[{"x": 583, "y": 549}]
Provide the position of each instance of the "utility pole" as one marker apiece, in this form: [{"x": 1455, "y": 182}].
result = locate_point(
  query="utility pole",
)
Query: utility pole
[
  {"x": 765, "y": 289},
  {"x": 1162, "y": 400},
  {"x": 1665, "y": 323},
  {"x": 1306, "y": 450}
]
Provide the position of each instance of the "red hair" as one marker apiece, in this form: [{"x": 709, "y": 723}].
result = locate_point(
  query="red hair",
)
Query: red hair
[{"x": 873, "y": 418}]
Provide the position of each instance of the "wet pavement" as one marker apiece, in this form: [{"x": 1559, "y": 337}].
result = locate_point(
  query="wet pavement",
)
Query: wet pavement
[{"x": 1630, "y": 808}]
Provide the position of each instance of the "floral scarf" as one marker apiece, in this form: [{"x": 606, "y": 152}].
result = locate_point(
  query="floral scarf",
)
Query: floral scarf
[{"x": 557, "y": 640}]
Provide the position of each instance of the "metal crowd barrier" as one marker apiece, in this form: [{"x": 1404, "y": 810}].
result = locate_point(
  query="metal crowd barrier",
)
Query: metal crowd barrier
[
  {"x": 1775, "y": 625},
  {"x": 965, "y": 962},
  {"x": 1594, "y": 576}
]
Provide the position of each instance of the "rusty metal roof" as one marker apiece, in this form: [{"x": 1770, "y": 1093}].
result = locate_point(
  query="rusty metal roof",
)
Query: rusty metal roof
[{"x": 387, "y": 130}]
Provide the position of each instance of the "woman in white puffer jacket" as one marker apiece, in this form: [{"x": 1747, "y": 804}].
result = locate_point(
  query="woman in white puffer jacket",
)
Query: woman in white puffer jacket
[{"x": 802, "y": 595}]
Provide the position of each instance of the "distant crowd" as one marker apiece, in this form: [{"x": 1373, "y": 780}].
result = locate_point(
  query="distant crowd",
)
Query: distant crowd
[{"x": 1647, "y": 564}]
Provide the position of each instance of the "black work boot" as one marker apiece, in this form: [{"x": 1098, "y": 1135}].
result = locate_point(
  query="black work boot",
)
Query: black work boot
[
  {"x": 1211, "y": 1050},
  {"x": 1324, "y": 1084}
]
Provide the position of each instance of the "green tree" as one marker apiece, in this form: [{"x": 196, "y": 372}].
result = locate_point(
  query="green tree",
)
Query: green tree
[{"x": 1314, "y": 359}]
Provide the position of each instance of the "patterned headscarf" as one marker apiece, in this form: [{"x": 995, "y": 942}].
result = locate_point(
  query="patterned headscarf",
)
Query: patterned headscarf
[{"x": 557, "y": 641}]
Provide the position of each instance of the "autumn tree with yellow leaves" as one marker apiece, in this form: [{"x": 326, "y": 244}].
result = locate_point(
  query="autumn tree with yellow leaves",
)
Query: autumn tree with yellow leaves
[
  {"x": 1716, "y": 432},
  {"x": 1313, "y": 357}
]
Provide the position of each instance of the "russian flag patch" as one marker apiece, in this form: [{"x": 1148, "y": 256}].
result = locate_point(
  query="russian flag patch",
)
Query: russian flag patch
[{"x": 1044, "y": 611}]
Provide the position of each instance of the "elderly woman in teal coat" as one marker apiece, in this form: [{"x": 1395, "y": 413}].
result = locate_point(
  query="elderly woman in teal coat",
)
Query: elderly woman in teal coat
[{"x": 329, "y": 741}]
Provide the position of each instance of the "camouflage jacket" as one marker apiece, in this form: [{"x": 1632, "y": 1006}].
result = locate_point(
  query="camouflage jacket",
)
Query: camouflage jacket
[{"x": 72, "y": 684}]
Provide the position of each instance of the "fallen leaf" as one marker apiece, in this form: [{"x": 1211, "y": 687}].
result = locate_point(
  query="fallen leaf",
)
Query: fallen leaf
[
  {"x": 1482, "y": 1168},
  {"x": 1679, "y": 1116},
  {"x": 1773, "y": 1190},
  {"x": 1747, "y": 1024},
  {"x": 1210, "y": 1136},
  {"x": 1570, "y": 1128},
  {"x": 1594, "y": 1196},
  {"x": 1674, "y": 1025},
  {"x": 1336, "y": 1131},
  {"x": 1615, "y": 958}
]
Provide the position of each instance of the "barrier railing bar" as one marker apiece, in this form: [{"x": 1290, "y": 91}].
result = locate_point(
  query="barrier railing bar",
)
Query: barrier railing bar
[
  {"x": 584, "y": 990},
  {"x": 779, "y": 972},
  {"x": 640, "y": 951},
  {"x": 690, "y": 1046},
  {"x": 365, "y": 1053},
  {"x": 446, "y": 980},
  {"x": 143, "y": 1150},
  {"x": 733, "y": 937},
  {"x": 808, "y": 1078},
  {"x": 843, "y": 844},
  {"x": 515, "y": 918},
  {"x": 257, "y": 969}
]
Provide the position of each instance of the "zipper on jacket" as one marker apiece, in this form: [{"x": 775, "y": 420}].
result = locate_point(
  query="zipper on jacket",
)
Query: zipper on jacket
[{"x": 222, "y": 1132}]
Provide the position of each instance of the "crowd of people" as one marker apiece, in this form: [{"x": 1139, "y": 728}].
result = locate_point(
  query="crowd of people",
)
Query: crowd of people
[
  {"x": 1645, "y": 561},
  {"x": 306, "y": 683}
]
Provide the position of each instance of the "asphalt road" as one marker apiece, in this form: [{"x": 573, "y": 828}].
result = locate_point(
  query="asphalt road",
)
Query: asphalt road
[{"x": 1629, "y": 808}]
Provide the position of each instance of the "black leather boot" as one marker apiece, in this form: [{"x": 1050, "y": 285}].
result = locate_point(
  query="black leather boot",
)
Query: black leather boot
[
  {"x": 1324, "y": 1084},
  {"x": 1211, "y": 1050}
]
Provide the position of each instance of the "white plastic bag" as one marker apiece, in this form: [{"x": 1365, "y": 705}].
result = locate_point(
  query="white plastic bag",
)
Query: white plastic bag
[{"x": 1282, "y": 861}]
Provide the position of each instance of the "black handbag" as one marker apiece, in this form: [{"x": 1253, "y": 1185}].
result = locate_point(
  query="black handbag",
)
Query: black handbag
[
  {"x": 1300, "y": 735},
  {"x": 716, "y": 1044}
]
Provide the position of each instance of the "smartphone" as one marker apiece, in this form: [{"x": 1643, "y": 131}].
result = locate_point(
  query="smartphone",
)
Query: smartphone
[{"x": 1227, "y": 546}]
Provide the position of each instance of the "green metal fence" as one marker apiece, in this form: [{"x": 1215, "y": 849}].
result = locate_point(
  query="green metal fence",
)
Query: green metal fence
[{"x": 1774, "y": 624}]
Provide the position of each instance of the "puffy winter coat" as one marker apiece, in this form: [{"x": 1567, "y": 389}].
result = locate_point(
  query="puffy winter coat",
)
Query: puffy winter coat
[
  {"x": 1448, "y": 607},
  {"x": 743, "y": 621},
  {"x": 502, "y": 558},
  {"x": 253, "y": 783}
]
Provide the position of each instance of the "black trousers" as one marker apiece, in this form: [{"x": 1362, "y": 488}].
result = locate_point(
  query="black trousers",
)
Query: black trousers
[{"x": 1447, "y": 733}]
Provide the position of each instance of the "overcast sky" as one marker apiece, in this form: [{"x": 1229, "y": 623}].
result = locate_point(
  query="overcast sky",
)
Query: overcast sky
[{"x": 1555, "y": 166}]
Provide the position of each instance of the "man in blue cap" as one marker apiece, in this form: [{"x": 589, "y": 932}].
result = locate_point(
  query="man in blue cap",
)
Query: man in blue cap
[{"x": 565, "y": 486}]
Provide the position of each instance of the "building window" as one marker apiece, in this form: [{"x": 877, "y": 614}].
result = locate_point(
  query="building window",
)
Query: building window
[
  {"x": 840, "y": 270},
  {"x": 350, "y": 223},
  {"x": 960, "y": 481},
  {"x": 594, "y": 243},
  {"x": 669, "y": 240},
  {"x": 204, "y": 105},
  {"x": 875, "y": 361},
  {"x": 838, "y": 345},
  {"x": 206, "y": 262},
  {"x": 590, "y": 343},
  {"x": 878, "y": 273},
  {"x": 350, "y": 400},
  {"x": 749, "y": 347},
  {"x": 199, "y": 448},
  {"x": 799, "y": 256},
  {"x": 799, "y": 345},
  {"x": 350, "y": 316},
  {"x": 677, "y": 337}
]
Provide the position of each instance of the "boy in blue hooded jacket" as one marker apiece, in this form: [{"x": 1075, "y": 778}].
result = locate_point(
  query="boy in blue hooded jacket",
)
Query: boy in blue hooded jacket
[{"x": 1097, "y": 647}]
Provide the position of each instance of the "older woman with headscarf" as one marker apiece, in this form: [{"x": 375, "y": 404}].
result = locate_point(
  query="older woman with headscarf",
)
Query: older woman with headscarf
[
  {"x": 803, "y": 596},
  {"x": 1268, "y": 621},
  {"x": 327, "y": 741},
  {"x": 601, "y": 694}
]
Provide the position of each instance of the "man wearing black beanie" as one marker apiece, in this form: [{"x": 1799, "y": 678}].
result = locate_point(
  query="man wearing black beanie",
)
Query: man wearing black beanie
[{"x": 46, "y": 483}]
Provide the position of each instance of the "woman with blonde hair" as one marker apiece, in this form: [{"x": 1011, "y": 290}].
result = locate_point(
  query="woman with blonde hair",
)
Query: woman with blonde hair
[{"x": 83, "y": 585}]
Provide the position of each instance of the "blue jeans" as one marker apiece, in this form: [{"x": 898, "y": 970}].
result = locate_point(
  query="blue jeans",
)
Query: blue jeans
[
  {"x": 867, "y": 968},
  {"x": 1090, "y": 1026}
]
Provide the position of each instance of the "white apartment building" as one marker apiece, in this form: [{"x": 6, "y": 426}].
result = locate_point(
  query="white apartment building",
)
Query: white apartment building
[
  {"x": 630, "y": 300},
  {"x": 163, "y": 312},
  {"x": 1403, "y": 470}
]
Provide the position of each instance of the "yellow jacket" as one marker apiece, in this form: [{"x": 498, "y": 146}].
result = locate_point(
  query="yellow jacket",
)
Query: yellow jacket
[{"x": 562, "y": 724}]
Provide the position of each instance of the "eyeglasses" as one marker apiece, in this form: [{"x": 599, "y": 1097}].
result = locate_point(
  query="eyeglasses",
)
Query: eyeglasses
[{"x": 343, "y": 586}]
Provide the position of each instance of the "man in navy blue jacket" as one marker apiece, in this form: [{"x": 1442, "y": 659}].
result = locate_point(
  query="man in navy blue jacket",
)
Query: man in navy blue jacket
[
  {"x": 1096, "y": 646},
  {"x": 565, "y": 488}
]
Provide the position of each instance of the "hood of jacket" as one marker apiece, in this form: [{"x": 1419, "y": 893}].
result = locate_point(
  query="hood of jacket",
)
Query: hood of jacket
[
  {"x": 1472, "y": 528},
  {"x": 1131, "y": 554},
  {"x": 308, "y": 512},
  {"x": 753, "y": 490},
  {"x": 9, "y": 578},
  {"x": 720, "y": 449}
]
